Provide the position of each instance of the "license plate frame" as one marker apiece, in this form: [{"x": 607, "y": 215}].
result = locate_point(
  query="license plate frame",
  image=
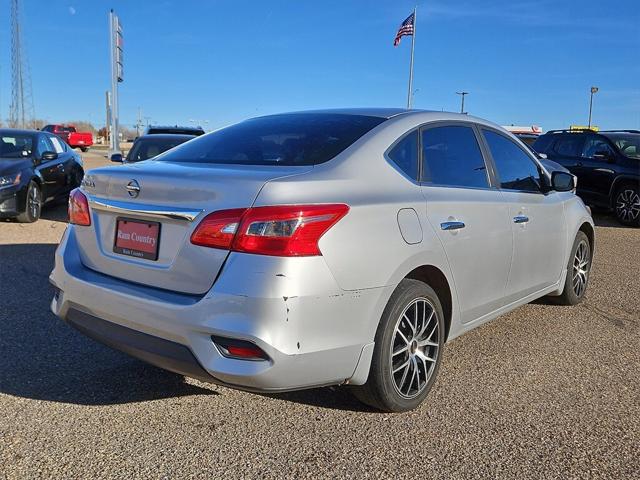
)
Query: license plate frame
[{"x": 130, "y": 251}]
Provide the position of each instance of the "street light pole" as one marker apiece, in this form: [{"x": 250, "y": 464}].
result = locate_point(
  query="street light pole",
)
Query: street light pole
[
  {"x": 593, "y": 90},
  {"x": 462, "y": 94}
]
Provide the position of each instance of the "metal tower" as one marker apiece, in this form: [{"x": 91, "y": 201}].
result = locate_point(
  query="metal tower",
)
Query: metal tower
[{"x": 21, "y": 110}]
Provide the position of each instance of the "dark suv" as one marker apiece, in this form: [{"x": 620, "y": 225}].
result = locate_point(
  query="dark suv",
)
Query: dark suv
[{"x": 607, "y": 165}]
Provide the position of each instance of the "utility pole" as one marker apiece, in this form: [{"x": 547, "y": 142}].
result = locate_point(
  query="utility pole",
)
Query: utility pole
[
  {"x": 108, "y": 112},
  {"x": 21, "y": 110},
  {"x": 593, "y": 90},
  {"x": 462, "y": 94},
  {"x": 115, "y": 37},
  {"x": 139, "y": 122}
]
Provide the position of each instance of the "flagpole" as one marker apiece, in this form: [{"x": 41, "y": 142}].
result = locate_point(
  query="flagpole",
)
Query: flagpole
[{"x": 413, "y": 43}]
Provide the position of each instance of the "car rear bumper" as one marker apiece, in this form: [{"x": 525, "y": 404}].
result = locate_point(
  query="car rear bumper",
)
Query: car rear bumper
[{"x": 313, "y": 333}]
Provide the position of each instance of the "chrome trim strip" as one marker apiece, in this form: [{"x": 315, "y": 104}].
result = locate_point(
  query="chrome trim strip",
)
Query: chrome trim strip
[{"x": 128, "y": 208}]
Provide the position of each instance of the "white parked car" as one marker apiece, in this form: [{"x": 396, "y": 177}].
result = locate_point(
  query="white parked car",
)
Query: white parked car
[{"x": 319, "y": 248}]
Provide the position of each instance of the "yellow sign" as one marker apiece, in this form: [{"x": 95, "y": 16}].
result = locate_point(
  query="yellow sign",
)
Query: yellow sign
[{"x": 583, "y": 127}]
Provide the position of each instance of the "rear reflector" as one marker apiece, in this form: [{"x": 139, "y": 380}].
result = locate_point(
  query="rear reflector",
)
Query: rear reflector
[
  {"x": 239, "y": 349},
  {"x": 284, "y": 230},
  {"x": 79, "y": 208}
]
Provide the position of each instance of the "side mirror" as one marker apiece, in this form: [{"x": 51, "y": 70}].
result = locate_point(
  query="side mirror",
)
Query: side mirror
[
  {"x": 116, "y": 157},
  {"x": 563, "y": 181},
  {"x": 47, "y": 156}
]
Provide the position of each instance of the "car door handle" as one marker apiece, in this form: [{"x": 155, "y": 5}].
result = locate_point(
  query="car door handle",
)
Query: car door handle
[
  {"x": 520, "y": 219},
  {"x": 452, "y": 225}
]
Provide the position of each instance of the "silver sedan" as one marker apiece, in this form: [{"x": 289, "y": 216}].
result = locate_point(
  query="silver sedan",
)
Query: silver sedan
[{"x": 339, "y": 247}]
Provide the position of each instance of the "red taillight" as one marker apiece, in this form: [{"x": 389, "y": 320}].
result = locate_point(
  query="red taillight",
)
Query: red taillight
[
  {"x": 285, "y": 230},
  {"x": 79, "y": 213},
  {"x": 218, "y": 229}
]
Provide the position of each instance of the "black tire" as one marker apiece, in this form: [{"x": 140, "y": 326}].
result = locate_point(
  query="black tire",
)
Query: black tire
[
  {"x": 570, "y": 294},
  {"x": 84, "y": 149},
  {"x": 381, "y": 389},
  {"x": 626, "y": 205},
  {"x": 31, "y": 212}
]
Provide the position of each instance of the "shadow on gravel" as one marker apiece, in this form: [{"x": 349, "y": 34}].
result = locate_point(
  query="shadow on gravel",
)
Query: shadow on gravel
[
  {"x": 606, "y": 219},
  {"x": 55, "y": 213},
  {"x": 336, "y": 398},
  {"x": 44, "y": 359}
]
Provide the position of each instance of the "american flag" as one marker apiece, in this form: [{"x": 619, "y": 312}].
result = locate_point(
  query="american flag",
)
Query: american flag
[{"x": 405, "y": 29}]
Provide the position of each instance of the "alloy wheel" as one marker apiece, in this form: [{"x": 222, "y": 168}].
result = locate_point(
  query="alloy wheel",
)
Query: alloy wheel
[
  {"x": 33, "y": 203},
  {"x": 415, "y": 348},
  {"x": 628, "y": 205},
  {"x": 581, "y": 268}
]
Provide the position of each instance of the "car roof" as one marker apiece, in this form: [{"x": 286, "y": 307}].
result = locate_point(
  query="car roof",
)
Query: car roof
[
  {"x": 166, "y": 136},
  {"x": 380, "y": 112},
  {"x": 173, "y": 127},
  {"x": 17, "y": 131}
]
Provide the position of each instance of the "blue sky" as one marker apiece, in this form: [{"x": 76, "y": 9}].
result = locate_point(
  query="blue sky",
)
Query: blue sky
[{"x": 524, "y": 62}]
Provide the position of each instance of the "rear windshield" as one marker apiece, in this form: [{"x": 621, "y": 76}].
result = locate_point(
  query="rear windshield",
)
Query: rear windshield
[
  {"x": 290, "y": 139},
  {"x": 149, "y": 147}
]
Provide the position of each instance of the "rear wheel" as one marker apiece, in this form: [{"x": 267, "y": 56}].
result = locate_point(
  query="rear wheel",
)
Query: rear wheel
[
  {"x": 578, "y": 270},
  {"x": 33, "y": 205},
  {"x": 84, "y": 149},
  {"x": 627, "y": 205},
  {"x": 407, "y": 351}
]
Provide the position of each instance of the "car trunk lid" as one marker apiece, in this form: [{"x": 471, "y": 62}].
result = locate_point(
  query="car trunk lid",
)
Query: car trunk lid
[{"x": 173, "y": 197}]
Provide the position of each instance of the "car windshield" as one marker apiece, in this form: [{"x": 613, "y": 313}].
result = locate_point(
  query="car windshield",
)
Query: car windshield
[
  {"x": 627, "y": 143},
  {"x": 288, "y": 139},
  {"x": 146, "y": 148},
  {"x": 16, "y": 145}
]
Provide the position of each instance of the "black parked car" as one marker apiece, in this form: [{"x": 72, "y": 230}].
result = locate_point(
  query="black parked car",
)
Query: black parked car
[
  {"x": 607, "y": 165},
  {"x": 35, "y": 168},
  {"x": 148, "y": 146}
]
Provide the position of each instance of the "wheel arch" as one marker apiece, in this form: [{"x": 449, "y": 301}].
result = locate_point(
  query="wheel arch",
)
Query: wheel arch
[
  {"x": 436, "y": 279},
  {"x": 588, "y": 230}
]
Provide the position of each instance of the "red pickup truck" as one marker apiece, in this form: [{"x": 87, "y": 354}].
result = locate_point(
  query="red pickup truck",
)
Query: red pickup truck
[{"x": 75, "y": 139}]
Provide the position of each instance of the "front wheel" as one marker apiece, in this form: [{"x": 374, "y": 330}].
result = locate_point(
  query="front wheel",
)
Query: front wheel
[
  {"x": 33, "y": 205},
  {"x": 627, "y": 205},
  {"x": 578, "y": 270},
  {"x": 408, "y": 347}
]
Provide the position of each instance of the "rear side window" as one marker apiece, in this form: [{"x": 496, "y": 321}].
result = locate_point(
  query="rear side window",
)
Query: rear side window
[
  {"x": 516, "y": 169},
  {"x": 542, "y": 143},
  {"x": 569, "y": 145},
  {"x": 451, "y": 156},
  {"x": 405, "y": 155},
  {"x": 289, "y": 139}
]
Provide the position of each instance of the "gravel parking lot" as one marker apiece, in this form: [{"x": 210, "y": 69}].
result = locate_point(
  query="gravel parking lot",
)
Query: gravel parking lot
[{"x": 545, "y": 391}]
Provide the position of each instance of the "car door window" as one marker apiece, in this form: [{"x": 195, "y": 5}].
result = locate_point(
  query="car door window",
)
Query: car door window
[
  {"x": 44, "y": 145},
  {"x": 568, "y": 145},
  {"x": 515, "y": 168},
  {"x": 451, "y": 156},
  {"x": 595, "y": 145},
  {"x": 405, "y": 155},
  {"x": 57, "y": 145}
]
